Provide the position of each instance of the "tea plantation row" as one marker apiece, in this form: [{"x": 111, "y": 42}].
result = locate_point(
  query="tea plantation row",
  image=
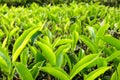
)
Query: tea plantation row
[
  {"x": 43, "y": 2},
  {"x": 62, "y": 42}
]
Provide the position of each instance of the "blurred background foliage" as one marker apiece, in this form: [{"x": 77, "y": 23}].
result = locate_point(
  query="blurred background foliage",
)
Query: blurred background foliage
[{"x": 114, "y": 3}]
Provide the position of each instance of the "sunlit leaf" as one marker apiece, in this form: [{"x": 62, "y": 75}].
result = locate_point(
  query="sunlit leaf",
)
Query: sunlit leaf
[
  {"x": 56, "y": 72},
  {"x": 75, "y": 36},
  {"x": 21, "y": 42},
  {"x": 101, "y": 32},
  {"x": 94, "y": 74},
  {"x": 48, "y": 53},
  {"x": 13, "y": 31},
  {"x": 84, "y": 62},
  {"x": 24, "y": 56},
  {"x": 64, "y": 41},
  {"x": 112, "y": 41}
]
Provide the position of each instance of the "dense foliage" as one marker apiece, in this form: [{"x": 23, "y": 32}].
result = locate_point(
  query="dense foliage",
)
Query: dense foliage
[
  {"x": 62, "y": 42},
  {"x": 43, "y": 2}
]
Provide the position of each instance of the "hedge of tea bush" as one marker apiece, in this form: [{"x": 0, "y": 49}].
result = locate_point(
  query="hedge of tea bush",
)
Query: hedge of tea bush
[
  {"x": 62, "y": 42},
  {"x": 43, "y": 2}
]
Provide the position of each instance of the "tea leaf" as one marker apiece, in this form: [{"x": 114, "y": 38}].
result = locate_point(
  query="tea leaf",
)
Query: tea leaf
[
  {"x": 33, "y": 38},
  {"x": 94, "y": 74},
  {"x": 23, "y": 71},
  {"x": 100, "y": 62},
  {"x": 48, "y": 53},
  {"x": 5, "y": 42},
  {"x": 92, "y": 32},
  {"x": 35, "y": 69},
  {"x": 69, "y": 62},
  {"x": 60, "y": 54},
  {"x": 22, "y": 41},
  {"x": 37, "y": 54},
  {"x": 113, "y": 56},
  {"x": 84, "y": 62},
  {"x": 46, "y": 41},
  {"x": 56, "y": 72},
  {"x": 55, "y": 42},
  {"x": 75, "y": 36},
  {"x": 89, "y": 43},
  {"x": 112, "y": 41},
  {"x": 101, "y": 32},
  {"x": 116, "y": 74},
  {"x": 13, "y": 31},
  {"x": 4, "y": 60},
  {"x": 24, "y": 56},
  {"x": 64, "y": 41}
]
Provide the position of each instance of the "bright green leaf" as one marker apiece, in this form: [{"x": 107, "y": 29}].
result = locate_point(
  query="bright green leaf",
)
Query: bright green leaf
[
  {"x": 94, "y": 74},
  {"x": 23, "y": 71},
  {"x": 22, "y": 41},
  {"x": 113, "y": 56},
  {"x": 89, "y": 43},
  {"x": 35, "y": 69},
  {"x": 60, "y": 54},
  {"x": 101, "y": 32},
  {"x": 116, "y": 74},
  {"x": 64, "y": 41},
  {"x": 112, "y": 41},
  {"x": 75, "y": 36},
  {"x": 13, "y": 31},
  {"x": 24, "y": 56},
  {"x": 56, "y": 72},
  {"x": 48, "y": 53},
  {"x": 4, "y": 60},
  {"x": 84, "y": 62}
]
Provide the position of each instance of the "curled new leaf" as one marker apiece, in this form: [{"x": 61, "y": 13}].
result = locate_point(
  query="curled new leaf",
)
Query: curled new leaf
[
  {"x": 75, "y": 36},
  {"x": 13, "y": 31}
]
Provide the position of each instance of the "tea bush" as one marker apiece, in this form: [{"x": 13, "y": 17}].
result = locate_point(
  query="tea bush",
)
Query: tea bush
[
  {"x": 62, "y": 42},
  {"x": 42, "y": 2}
]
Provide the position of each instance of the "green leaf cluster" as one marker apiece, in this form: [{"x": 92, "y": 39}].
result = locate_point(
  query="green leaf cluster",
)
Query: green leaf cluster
[{"x": 65, "y": 42}]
